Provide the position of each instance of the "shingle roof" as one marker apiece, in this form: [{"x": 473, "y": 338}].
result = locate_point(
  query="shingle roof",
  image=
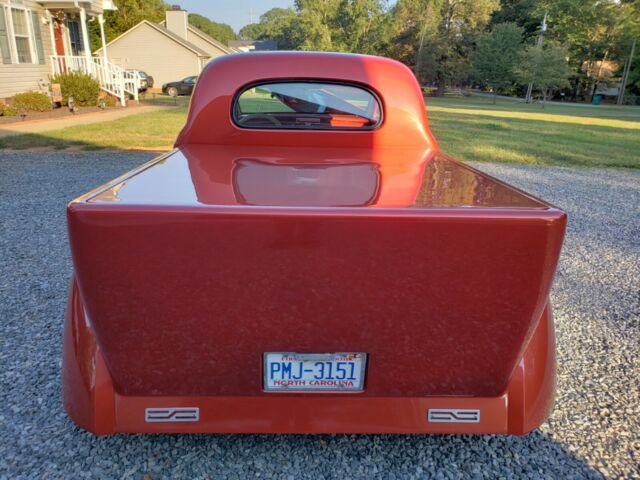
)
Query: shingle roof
[
  {"x": 206, "y": 37},
  {"x": 179, "y": 39},
  {"x": 185, "y": 43}
]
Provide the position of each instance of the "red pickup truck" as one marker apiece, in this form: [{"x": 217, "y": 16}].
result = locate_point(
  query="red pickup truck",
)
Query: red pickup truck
[{"x": 306, "y": 260}]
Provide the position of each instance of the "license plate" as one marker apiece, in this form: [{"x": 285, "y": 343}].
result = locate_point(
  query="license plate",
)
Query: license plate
[{"x": 333, "y": 372}]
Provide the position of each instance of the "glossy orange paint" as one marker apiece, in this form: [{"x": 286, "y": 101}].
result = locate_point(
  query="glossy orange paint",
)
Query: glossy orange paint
[
  {"x": 94, "y": 404},
  {"x": 243, "y": 241}
]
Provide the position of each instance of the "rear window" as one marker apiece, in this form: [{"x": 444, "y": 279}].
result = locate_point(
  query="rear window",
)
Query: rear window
[{"x": 307, "y": 105}]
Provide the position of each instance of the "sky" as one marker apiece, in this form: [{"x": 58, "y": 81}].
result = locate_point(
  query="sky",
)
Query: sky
[{"x": 236, "y": 13}]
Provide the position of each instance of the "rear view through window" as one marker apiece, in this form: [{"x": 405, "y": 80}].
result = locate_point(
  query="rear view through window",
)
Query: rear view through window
[{"x": 307, "y": 105}]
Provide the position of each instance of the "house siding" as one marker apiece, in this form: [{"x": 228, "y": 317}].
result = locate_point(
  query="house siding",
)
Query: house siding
[
  {"x": 204, "y": 45},
  {"x": 145, "y": 48},
  {"x": 16, "y": 78}
]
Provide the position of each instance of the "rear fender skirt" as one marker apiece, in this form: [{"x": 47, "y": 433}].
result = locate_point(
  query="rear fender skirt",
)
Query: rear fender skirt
[{"x": 94, "y": 405}]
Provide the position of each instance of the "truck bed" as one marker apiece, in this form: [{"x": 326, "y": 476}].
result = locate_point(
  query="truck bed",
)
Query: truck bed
[{"x": 193, "y": 265}]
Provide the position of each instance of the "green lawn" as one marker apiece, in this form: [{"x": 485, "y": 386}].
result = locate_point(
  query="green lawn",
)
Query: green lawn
[
  {"x": 471, "y": 129},
  {"x": 144, "y": 131},
  {"x": 475, "y": 129}
]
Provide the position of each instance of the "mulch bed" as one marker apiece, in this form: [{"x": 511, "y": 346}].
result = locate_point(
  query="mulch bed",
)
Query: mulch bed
[{"x": 61, "y": 112}]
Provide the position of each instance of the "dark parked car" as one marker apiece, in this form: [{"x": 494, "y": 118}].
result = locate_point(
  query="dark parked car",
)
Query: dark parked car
[
  {"x": 182, "y": 87},
  {"x": 146, "y": 81}
]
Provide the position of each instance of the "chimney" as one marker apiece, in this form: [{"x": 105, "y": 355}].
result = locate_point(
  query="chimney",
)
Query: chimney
[{"x": 177, "y": 21}]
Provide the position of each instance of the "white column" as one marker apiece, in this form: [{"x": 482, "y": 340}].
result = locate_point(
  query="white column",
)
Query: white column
[
  {"x": 13, "y": 49},
  {"x": 102, "y": 37},
  {"x": 51, "y": 33},
  {"x": 85, "y": 40},
  {"x": 54, "y": 63}
]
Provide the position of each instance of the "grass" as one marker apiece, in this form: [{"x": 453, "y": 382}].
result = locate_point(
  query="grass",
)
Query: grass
[
  {"x": 144, "y": 131},
  {"x": 475, "y": 129},
  {"x": 471, "y": 129}
]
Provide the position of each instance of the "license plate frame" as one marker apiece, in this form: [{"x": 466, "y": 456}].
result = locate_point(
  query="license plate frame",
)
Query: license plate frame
[{"x": 354, "y": 380}]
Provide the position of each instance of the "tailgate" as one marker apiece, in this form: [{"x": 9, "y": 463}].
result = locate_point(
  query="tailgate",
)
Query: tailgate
[{"x": 185, "y": 300}]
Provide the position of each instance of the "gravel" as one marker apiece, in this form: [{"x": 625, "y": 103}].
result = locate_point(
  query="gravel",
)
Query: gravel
[{"x": 593, "y": 432}]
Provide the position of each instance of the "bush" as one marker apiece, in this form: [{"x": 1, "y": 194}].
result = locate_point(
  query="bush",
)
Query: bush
[
  {"x": 32, "y": 102},
  {"x": 82, "y": 87},
  {"x": 110, "y": 101},
  {"x": 631, "y": 99},
  {"x": 7, "y": 110}
]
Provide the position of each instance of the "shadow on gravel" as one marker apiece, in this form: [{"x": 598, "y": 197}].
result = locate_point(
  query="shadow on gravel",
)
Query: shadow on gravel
[{"x": 343, "y": 456}]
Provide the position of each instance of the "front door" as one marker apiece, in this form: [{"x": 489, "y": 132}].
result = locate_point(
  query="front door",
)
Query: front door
[{"x": 57, "y": 35}]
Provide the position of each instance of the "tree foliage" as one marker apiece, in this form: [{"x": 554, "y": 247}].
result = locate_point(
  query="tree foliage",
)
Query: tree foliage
[
  {"x": 443, "y": 41},
  {"x": 545, "y": 67},
  {"x": 497, "y": 56},
  {"x": 220, "y": 31},
  {"x": 128, "y": 14},
  {"x": 278, "y": 24},
  {"x": 437, "y": 37},
  {"x": 341, "y": 25}
]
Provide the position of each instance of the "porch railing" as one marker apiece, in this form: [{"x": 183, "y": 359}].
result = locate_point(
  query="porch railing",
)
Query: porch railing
[{"x": 112, "y": 78}]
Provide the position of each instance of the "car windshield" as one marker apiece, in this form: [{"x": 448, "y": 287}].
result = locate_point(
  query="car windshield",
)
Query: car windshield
[{"x": 307, "y": 105}]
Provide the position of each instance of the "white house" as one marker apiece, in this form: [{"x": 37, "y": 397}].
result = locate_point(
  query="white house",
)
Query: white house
[
  {"x": 168, "y": 51},
  {"x": 41, "y": 37}
]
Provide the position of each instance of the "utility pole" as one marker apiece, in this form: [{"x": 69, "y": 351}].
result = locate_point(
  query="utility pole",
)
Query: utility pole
[
  {"x": 543, "y": 28},
  {"x": 625, "y": 75}
]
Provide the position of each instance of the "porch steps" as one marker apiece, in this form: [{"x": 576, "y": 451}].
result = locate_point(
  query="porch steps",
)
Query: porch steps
[{"x": 112, "y": 78}]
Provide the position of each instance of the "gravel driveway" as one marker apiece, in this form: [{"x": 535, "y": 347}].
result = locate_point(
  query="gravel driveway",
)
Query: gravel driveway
[{"x": 593, "y": 432}]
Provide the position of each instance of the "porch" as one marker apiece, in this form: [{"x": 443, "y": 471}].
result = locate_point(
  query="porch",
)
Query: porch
[{"x": 71, "y": 49}]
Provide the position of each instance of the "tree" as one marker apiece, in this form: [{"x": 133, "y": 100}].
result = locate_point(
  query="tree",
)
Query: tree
[
  {"x": 315, "y": 20},
  {"x": 359, "y": 26},
  {"x": 630, "y": 33},
  {"x": 220, "y": 31},
  {"x": 497, "y": 55},
  {"x": 251, "y": 31},
  {"x": 128, "y": 14},
  {"x": 437, "y": 36},
  {"x": 278, "y": 24},
  {"x": 591, "y": 30},
  {"x": 524, "y": 13},
  {"x": 545, "y": 67}
]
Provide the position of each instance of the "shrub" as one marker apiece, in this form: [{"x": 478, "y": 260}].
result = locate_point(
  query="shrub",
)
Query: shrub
[
  {"x": 32, "y": 102},
  {"x": 7, "y": 110},
  {"x": 109, "y": 100},
  {"x": 82, "y": 87}
]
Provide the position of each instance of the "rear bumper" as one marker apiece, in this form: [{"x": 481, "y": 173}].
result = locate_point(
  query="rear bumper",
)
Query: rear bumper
[{"x": 93, "y": 404}]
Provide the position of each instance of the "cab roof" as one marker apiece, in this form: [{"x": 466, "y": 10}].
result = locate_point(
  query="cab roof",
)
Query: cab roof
[{"x": 209, "y": 120}]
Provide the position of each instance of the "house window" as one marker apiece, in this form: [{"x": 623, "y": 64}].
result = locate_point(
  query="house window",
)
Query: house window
[
  {"x": 74, "y": 37},
  {"x": 20, "y": 36}
]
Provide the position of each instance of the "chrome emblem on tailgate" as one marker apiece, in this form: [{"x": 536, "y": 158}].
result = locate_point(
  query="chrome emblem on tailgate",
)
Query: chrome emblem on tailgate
[
  {"x": 178, "y": 414},
  {"x": 449, "y": 415}
]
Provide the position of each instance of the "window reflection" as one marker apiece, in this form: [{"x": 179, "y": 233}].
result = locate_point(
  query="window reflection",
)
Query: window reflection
[
  {"x": 340, "y": 185},
  {"x": 307, "y": 105}
]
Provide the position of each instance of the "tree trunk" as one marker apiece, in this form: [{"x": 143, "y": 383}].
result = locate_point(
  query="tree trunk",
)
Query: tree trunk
[
  {"x": 423, "y": 32},
  {"x": 440, "y": 90},
  {"x": 597, "y": 81},
  {"x": 544, "y": 97}
]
